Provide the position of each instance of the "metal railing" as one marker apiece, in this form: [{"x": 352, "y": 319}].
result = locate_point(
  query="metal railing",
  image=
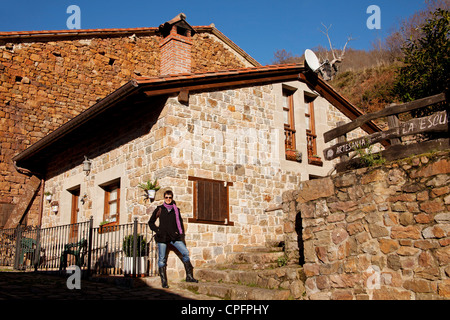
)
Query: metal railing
[{"x": 115, "y": 250}]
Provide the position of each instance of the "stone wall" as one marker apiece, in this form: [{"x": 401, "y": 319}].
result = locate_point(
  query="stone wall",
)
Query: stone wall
[
  {"x": 375, "y": 233},
  {"x": 44, "y": 83}
]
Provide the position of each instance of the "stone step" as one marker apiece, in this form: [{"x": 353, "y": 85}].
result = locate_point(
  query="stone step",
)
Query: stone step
[
  {"x": 255, "y": 257},
  {"x": 272, "y": 278},
  {"x": 263, "y": 249},
  {"x": 242, "y": 266},
  {"x": 234, "y": 291}
]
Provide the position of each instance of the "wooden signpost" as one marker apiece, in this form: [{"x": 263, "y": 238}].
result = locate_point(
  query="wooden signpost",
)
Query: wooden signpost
[{"x": 437, "y": 122}]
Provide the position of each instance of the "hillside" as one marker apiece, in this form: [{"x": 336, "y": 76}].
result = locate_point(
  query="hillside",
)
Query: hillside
[
  {"x": 367, "y": 88},
  {"x": 365, "y": 77}
]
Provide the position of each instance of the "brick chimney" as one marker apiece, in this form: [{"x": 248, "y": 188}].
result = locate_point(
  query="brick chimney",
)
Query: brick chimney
[{"x": 175, "y": 46}]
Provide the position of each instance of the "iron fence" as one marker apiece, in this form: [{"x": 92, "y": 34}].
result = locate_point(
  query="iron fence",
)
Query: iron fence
[{"x": 127, "y": 249}]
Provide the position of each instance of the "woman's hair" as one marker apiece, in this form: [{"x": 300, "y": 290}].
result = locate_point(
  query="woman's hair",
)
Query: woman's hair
[{"x": 169, "y": 192}]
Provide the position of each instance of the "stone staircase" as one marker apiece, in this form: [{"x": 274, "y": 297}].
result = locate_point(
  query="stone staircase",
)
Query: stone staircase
[{"x": 250, "y": 275}]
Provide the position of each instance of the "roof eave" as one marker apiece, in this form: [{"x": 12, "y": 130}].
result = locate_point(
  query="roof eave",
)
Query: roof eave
[{"x": 166, "y": 85}]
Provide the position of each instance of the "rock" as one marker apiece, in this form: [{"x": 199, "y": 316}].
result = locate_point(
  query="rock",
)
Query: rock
[
  {"x": 345, "y": 180},
  {"x": 443, "y": 256},
  {"x": 393, "y": 262},
  {"x": 429, "y": 273},
  {"x": 388, "y": 245},
  {"x": 434, "y": 232},
  {"x": 387, "y": 293},
  {"x": 342, "y": 295},
  {"x": 338, "y": 235},
  {"x": 444, "y": 288},
  {"x": 311, "y": 269},
  {"x": 442, "y": 217},
  {"x": 297, "y": 289},
  {"x": 376, "y": 175},
  {"x": 406, "y": 218},
  {"x": 378, "y": 231},
  {"x": 435, "y": 168},
  {"x": 418, "y": 285},
  {"x": 408, "y": 232},
  {"x": 407, "y": 251},
  {"x": 345, "y": 206},
  {"x": 432, "y": 206},
  {"x": 315, "y": 189}
]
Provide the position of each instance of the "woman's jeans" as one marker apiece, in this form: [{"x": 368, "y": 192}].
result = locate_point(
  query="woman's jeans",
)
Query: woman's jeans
[{"x": 179, "y": 245}]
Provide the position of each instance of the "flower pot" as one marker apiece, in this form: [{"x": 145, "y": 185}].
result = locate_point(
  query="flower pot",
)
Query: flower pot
[
  {"x": 108, "y": 227},
  {"x": 290, "y": 155},
  {"x": 141, "y": 267},
  {"x": 151, "y": 194}
]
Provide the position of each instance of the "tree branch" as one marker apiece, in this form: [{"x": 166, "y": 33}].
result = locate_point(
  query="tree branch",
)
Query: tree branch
[{"x": 329, "y": 40}]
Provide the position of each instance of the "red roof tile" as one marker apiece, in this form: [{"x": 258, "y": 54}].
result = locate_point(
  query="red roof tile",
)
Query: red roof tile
[{"x": 218, "y": 73}]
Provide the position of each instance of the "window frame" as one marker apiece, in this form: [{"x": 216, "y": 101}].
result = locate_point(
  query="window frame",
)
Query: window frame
[
  {"x": 311, "y": 131},
  {"x": 195, "y": 218},
  {"x": 289, "y": 129},
  {"x": 74, "y": 211},
  {"x": 108, "y": 188}
]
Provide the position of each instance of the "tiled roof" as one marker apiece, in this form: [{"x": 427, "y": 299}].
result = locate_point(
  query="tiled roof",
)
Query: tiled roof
[
  {"x": 15, "y": 34},
  {"x": 74, "y": 32},
  {"x": 55, "y": 34},
  {"x": 221, "y": 73}
]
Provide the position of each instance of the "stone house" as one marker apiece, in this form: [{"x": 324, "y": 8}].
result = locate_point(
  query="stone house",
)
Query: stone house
[
  {"x": 222, "y": 141},
  {"x": 49, "y": 77}
]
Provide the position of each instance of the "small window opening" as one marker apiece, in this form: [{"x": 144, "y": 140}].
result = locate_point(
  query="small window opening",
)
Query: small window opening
[{"x": 181, "y": 31}]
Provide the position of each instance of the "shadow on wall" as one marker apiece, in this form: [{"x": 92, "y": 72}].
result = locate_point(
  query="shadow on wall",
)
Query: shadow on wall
[{"x": 299, "y": 231}]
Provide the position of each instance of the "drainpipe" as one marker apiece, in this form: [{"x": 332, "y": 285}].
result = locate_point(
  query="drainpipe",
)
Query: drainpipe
[{"x": 41, "y": 204}]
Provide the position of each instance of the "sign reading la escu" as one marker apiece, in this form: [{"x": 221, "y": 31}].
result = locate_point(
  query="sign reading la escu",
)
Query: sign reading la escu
[{"x": 437, "y": 122}]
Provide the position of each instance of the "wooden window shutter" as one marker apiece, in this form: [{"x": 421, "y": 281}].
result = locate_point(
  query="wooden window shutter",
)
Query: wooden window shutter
[{"x": 210, "y": 201}]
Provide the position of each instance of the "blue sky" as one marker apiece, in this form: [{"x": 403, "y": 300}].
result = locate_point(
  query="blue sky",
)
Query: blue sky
[{"x": 259, "y": 27}]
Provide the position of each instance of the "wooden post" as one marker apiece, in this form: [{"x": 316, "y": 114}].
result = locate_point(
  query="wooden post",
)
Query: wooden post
[
  {"x": 342, "y": 138},
  {"x": 393, "y": 122}
]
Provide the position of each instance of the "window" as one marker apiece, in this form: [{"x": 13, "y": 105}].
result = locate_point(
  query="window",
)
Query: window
[
  {"x": 311, "y": 136},
  {"x": 75, "y": 193},
  {"x": 211, "y": 201},
  {"x": 288, "y": 119},
  {"x": 112, "y": 202}
]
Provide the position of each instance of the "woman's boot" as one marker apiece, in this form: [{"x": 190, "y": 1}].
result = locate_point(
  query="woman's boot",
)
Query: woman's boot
[
  {"x": 163, "y": 275},
  {"x": 189, "y": 272}
]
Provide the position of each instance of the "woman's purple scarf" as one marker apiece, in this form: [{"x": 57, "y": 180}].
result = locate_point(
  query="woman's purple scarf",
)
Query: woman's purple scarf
[{"x": 177, "y": 214}]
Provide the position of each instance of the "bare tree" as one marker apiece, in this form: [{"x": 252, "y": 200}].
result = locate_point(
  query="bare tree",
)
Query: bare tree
[{"x": 331, "y": 67}]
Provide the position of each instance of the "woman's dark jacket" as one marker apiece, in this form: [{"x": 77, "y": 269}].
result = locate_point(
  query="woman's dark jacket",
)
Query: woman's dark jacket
[{"x": 167, "y": 230}]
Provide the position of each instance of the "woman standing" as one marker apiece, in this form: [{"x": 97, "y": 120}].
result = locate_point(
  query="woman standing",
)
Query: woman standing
[{"x": 170, "y": 231}]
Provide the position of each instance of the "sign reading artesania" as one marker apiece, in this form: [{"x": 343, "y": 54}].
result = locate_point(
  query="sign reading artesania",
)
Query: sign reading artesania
[{"x": 437, "y": 122}]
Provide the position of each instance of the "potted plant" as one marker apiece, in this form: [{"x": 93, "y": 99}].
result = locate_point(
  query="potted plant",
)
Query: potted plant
[
  {"x": 293, "y": 155},
  {"x": 141, "y": 258},
  {"x": 55, "y": 206},
  {"x": 150, "y": 188},
  {"x": 316, "y": 160},
  {"x": 108, "y": 226},
  {"x": 290, "y": 154},
  {"x": 48, "y": 195}
]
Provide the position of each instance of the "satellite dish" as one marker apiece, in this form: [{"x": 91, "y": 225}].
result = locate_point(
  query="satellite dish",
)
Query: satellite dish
[{"x": 312, "y": 60}]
